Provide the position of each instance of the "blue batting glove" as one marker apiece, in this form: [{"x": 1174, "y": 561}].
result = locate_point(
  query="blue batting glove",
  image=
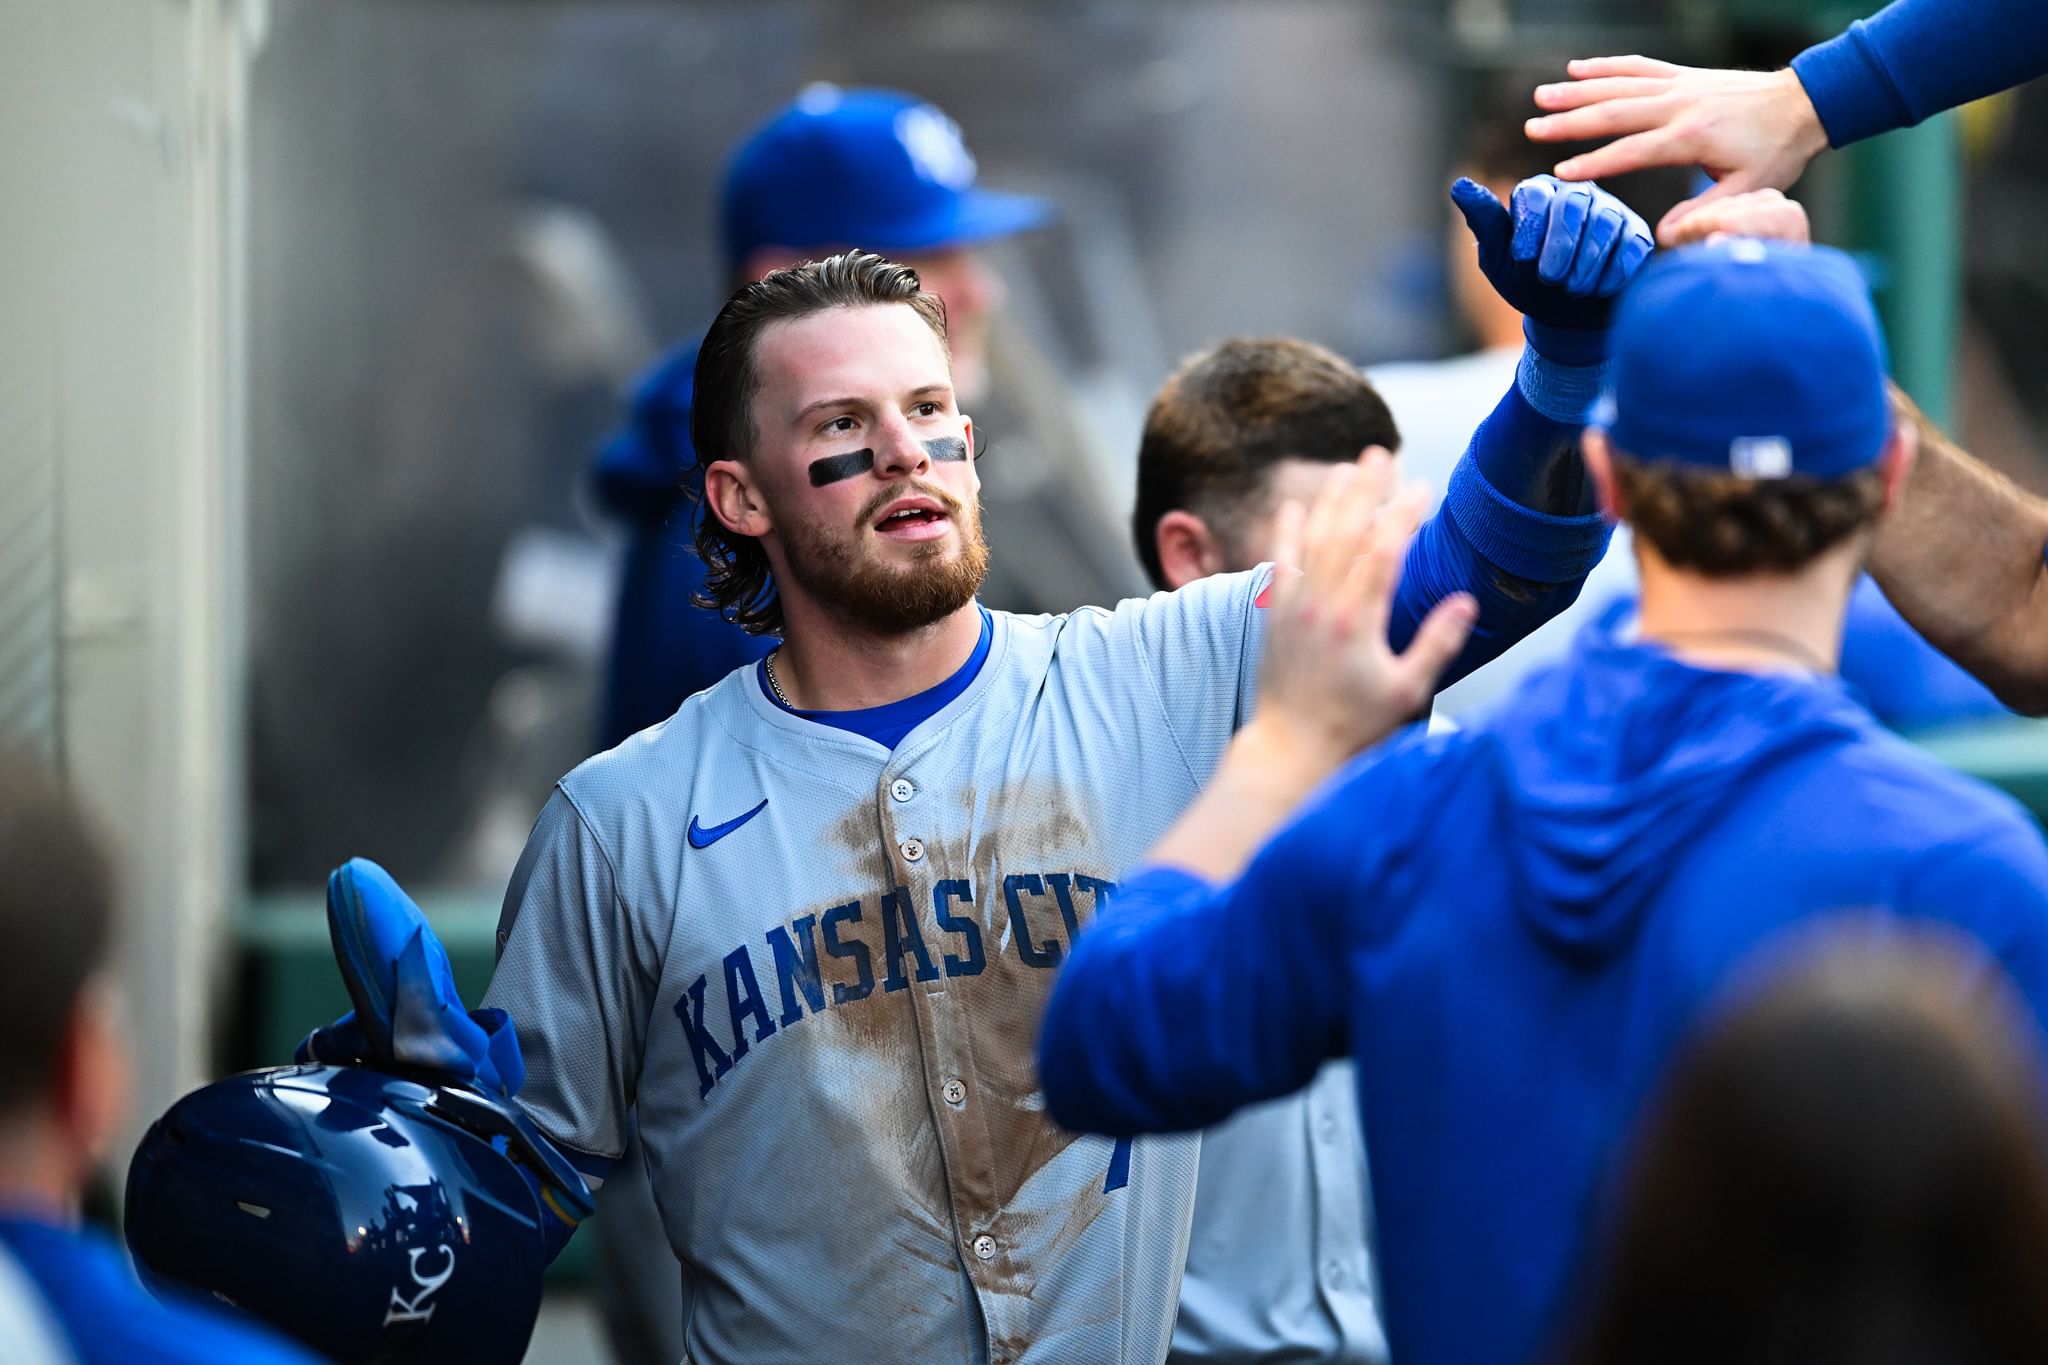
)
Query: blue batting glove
[
  {"x": 407, "y": 1012},
  {"x": 1559, "y": 253},
  {"x": 408, "y": 1016}
]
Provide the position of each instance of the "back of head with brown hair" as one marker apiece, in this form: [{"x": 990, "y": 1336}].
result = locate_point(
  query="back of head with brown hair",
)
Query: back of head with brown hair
[
  {"x": 1230, "y": 413},
  {"x": 1723, "y": 525},
  {"x": 56, "y": 915}
]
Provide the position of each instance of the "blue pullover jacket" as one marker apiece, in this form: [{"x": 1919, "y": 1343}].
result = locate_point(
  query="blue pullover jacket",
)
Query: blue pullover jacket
[{"x": 1509, "y": 928}]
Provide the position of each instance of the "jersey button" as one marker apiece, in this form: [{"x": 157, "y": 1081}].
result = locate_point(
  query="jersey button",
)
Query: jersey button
[
  {"x": 912, "y": 850},
  {"x": 985, "y": 1247},
  {"x": 955, "y": 1090},
  {"x": 901, "y": 789}
]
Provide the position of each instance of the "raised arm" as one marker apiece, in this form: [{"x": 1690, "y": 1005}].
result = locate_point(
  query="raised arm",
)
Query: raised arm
[
  {"x": 1961, "y": 557},
  {"x": 1192, "y": 998},
  {"x": 1753, "y": 129},
  {"x": 1519, "y": 529}
]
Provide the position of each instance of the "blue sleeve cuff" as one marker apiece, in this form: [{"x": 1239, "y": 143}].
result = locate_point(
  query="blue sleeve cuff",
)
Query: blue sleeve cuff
[
  {"x": 1562, "y": 392},
  {"x": 1571, "y": 346},
  {"x": 1538, "y": 547},
  {"x": 1851, "y": 90}
]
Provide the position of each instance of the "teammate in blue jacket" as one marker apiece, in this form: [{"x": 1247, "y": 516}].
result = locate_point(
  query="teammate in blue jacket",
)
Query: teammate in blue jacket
[
  {"x": 1963, "y": 561},
  {"x": 805, "y": 927},
  {"x": 67, "y": 1293},
  {"x": 1509, "y": 927},
  {"x": 1755, "y": 129}
]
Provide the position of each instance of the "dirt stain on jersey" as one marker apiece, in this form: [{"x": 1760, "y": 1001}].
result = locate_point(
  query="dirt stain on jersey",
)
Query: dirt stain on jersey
[{"x": 981, "y": 1030}]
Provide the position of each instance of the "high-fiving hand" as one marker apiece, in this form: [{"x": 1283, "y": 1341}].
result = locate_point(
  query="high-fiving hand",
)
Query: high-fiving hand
[
  {"x": 1330, "y": 680},
  {"x": 1748, "y": 130},
  {"x": 1330, "y": 685}
]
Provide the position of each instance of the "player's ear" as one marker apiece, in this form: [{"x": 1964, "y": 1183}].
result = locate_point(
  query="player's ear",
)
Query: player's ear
[
  {"x": 92, "y": 1081},
  {"x": 1188, "y": 549},
  {"x": 973, "y": 450},
  {"x": 1600, "y": 467},
  {"x": 732, "y": 496},
  {"x": 1901, "y": 448}
]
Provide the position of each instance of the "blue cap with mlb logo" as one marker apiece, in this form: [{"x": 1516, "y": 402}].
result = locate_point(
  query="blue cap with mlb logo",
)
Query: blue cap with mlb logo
[
  {"x": 875, "y": 169},
  {"x": 1763, "y": 359}
]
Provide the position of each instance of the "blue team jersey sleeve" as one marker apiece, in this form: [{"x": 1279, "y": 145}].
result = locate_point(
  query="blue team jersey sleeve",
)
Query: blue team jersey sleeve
[
  {"x": 578, "y": 978},
  {"x": 1915, "y": 58},
  {"x": 1193, "y": 1000}
]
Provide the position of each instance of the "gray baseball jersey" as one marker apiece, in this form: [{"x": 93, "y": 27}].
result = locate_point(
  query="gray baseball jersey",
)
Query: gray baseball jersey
[{"x": 817, "y": 967}]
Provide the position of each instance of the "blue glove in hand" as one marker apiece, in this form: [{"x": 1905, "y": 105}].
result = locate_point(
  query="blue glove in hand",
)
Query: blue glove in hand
[
  {"x": 407, "y": 1013},
  {"x": 408, "y": 1016},
  {"x": 1560, "y": 254}
]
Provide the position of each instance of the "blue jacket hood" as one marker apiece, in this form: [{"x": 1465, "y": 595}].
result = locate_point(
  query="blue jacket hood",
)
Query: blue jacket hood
[
  {"x": 1612, "y": 763},
  {"x": 646, "y": 467}
]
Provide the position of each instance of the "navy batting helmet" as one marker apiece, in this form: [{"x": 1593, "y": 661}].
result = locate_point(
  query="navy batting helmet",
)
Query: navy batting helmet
[{"x": 373, "y": 1217}]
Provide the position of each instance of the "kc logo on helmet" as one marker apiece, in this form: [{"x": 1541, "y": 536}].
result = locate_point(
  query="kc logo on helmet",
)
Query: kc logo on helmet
[{"x": 409, "y": 1310}]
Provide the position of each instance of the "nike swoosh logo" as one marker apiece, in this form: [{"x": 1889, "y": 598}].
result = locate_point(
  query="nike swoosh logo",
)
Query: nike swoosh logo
[{"x": 705, "y": 838}]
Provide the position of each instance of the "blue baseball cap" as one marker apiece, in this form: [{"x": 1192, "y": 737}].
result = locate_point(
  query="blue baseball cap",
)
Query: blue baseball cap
[
  {"x": 875, "y": 169},
  {"x": 1763, "y": 359}
]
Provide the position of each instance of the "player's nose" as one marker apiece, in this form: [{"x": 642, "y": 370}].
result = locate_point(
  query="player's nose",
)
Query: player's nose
[{"x": 898, "y": 450}]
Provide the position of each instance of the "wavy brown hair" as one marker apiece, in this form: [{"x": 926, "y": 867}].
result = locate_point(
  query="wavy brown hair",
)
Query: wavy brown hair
[
  {"x": 1724, "y": 525},
  {"x": 737, "y": 582}
]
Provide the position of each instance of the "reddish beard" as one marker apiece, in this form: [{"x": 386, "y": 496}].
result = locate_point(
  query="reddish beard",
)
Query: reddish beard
[{"x": 892, "y": 599}]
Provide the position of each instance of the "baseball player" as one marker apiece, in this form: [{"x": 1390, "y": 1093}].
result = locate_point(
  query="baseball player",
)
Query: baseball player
[
  {"x": 1279, "y": 1261},
  {"x": 1963, "y": 562},
  {"x": 1508, "y": 927},
  {"x": 805, "y": 926},
  {"x": 834, "y": 169},
  {"x": 67, "y": 1294}
]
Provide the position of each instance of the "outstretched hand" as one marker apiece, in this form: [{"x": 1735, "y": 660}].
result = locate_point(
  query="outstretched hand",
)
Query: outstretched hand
[
  {"x": 1748, "y": 130},
  {"x": 1331, "y": 685},
  {"x": 1559, "y": 253}
]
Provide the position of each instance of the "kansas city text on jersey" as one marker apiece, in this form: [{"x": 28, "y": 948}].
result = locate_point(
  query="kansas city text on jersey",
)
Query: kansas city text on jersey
[{"x": 829, "y": 960}]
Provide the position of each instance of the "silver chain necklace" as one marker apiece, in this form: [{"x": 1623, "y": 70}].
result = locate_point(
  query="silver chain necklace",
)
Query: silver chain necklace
[
  {"x": 773, "y": 686},
  {"x": 1775, "y": 642}
]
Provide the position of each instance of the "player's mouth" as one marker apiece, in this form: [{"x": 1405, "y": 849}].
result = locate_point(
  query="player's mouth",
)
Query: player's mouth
[{"x": 913, "y": 518}]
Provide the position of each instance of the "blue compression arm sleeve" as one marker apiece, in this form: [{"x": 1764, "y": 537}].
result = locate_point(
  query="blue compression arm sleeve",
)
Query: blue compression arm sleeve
[
  {"x": 1518, "y": 528},
  {"x": 1915, "y": 58}
]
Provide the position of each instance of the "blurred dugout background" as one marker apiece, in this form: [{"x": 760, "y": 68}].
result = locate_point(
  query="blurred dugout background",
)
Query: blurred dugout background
[{"x": 312, "y": 314}]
